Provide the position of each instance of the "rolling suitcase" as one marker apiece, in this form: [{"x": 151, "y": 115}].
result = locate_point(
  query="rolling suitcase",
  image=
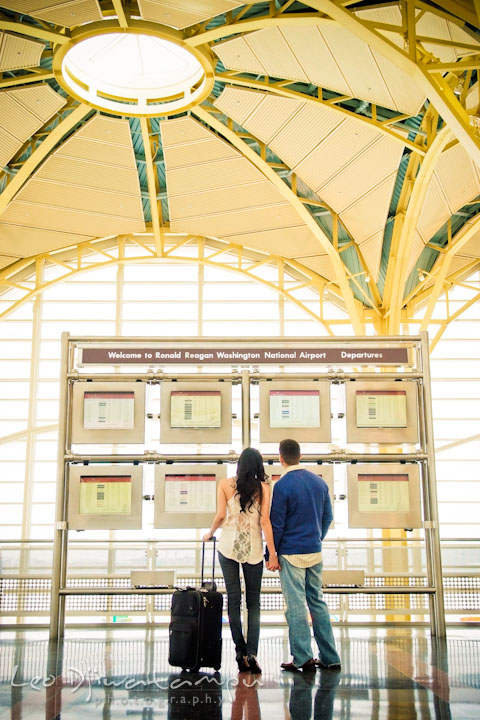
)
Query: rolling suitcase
[{"x": 195, "y": 631}]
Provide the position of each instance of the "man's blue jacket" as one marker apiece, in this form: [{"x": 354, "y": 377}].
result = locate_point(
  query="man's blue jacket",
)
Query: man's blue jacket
[{"x": 301, "y": 512}]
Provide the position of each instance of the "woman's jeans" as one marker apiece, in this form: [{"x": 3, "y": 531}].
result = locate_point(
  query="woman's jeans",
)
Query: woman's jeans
[
  {"x": 253, "y": 581},
  {"x": 302, "y": 586}
]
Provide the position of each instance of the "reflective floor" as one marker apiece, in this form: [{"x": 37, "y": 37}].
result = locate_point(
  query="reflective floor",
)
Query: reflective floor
[{"x": 395, "y": 674}]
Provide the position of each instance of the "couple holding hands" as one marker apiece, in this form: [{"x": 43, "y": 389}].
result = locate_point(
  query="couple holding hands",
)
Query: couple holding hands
[{"x": 293, "y": 525}]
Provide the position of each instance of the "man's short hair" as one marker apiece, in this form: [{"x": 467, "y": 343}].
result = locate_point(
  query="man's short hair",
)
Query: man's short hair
[{"x": 290, "y": 451}]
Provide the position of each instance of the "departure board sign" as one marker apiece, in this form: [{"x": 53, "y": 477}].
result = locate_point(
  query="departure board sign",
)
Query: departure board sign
[
  {"x": 247, "y": 353},
  {"x": 383, "y": 493},
  {"x": 112, "y": 410},
  {"x": 294, "y": 408},
  {"x": 107, "y": 495},
  {"x": 381, "y": 408},
  {"x": 195, "y": 409},
  {"x": 190, "y": 493}
]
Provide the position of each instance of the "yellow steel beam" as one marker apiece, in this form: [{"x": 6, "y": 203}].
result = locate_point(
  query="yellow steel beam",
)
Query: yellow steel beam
[
  {"x": 39, "y": 155},
  {"x": 35, "y": 31},
  {"x": 451, "y": 318},
  {"x": 463, "y": 11},
  {"x": 467, "y": 232},
  {"x": 24, "y": 79},
  {"x": 398, "y": 269},
  {"x": 152, "y": 179},
  {"x": 434, "y": 85},
  {"x": 278, "y": 88},
  {"x": 339, "y": 268},
  {"x": 120, "y": 12}
]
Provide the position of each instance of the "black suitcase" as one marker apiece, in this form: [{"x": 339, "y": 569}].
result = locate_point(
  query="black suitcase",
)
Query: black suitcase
[{"x": 195, "y": 631}]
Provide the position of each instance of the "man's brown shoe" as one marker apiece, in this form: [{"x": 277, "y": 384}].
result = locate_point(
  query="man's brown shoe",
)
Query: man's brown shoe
[
  {"x": 336, "y": 667},
  {"x": 308, "y": 666}
]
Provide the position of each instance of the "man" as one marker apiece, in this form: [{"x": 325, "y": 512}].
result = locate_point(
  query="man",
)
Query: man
[{"x": 301, "y": 514}]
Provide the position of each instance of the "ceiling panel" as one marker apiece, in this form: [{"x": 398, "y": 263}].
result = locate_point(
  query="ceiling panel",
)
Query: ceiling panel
[
  {"x": 17, "y": 52},
  {"x": 183, "y": 13},
  {"x": 42, "y": 100},
  {"x": 55, "y": 218},
  {"x": 26, "y": 241},
  {"x": 290, "y": 242},
  {"x": 72, "y": 13},
  {"x": 224, "y": 199},
  {"x": 23, "y": 111},
  {"x": 8, "y": 146},
  {"x": 15, "y": 119},
  {"x": 458, "y": 177},
  {"x": 335, "y": 152},
  {"x": 218, "y": 174},
  {"x": 46, "y": 192},
  {"x": 320, "y": 264},
  {"x": 309, "y": 127},
  {"x": 275, "y": 54},
  {"x": 316, "y": 58},
  {"x": 365, "y": 171},
  {"x": 236, "y": 54},
  {"x": 100, "y": 152},
  {"x": 182, "y": 130},
  {"x": 434, "y": 211},
  {"x": 197, "y": 152},
  {"x": 91, "y": 174},
  {"x": 372, "y": 250},
  {"x": 368, "y": 214},
  {"x": 239, "y": 221}
]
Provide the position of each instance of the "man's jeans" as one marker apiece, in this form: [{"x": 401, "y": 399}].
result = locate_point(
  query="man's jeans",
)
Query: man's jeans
[
  {"x": 253, "y": 582},
  {"x": 300, "y": 585}
]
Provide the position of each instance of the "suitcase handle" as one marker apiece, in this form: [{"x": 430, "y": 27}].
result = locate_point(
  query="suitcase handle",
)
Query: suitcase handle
[{"x": 202, "y": 580}]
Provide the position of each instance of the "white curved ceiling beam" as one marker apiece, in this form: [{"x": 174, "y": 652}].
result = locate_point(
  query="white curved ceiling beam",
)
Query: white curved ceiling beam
[
  {"x": 434, "y": 85},
  {"x": 43, "y": 151},
  {"x": 399, "y": 262},
  {"x": 324, "y": 242}
]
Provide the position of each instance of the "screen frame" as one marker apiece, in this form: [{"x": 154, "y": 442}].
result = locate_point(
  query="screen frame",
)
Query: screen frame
[
  {"x": 188, "y": 436},
  {"x": 380, "y": 435},
  {"x": 321, "y": 434},
  {"x": 100, "y": 436},
  {"x": 78, "y": 521},
  {"x": 386, "y": 519},
  {"x": 163, "y": 519}
]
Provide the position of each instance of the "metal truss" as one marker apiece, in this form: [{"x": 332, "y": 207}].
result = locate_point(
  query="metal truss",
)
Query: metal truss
[{"x": 32, "y": 276}]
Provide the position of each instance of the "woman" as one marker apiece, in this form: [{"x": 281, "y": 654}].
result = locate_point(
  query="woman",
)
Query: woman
[{"x": 244, "y": 501}]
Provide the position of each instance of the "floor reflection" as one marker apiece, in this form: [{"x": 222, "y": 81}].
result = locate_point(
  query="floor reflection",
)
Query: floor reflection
[{"x": 392, "y": 675}]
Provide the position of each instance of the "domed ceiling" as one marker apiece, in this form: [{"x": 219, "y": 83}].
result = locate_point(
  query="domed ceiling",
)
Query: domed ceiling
[{"x": 339, "y": 138}]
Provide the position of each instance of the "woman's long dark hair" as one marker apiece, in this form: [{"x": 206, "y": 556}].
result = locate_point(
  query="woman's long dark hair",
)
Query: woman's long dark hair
[{"x": 250, "y": 475}]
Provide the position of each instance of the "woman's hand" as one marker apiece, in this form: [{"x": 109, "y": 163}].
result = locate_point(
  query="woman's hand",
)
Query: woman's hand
[
  {"x": 272, "y": 563},
  {"x": 208, "y": 536}
]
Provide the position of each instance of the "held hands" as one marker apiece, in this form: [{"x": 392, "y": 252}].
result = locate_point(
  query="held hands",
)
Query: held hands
[{"x": 272, "y": 563}]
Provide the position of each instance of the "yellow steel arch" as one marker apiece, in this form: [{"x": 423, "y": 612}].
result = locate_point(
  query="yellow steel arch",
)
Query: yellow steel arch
[{"x": 105, "y": 252}]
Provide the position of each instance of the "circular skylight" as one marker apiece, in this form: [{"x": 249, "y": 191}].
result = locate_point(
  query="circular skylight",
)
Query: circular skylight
[{"x": 131, "y": 73}]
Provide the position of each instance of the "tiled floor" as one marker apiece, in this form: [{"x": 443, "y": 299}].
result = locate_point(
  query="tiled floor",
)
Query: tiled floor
[{"x": 394, "y": 674}]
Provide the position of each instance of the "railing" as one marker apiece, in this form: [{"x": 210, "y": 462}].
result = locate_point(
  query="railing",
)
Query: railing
[{"x": 108, "y": 598}]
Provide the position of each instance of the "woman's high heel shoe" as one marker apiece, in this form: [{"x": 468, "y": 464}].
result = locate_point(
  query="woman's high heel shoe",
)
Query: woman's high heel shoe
[
  {"x": 242, "y": 664},
  {"x": 253, "y": 665}
]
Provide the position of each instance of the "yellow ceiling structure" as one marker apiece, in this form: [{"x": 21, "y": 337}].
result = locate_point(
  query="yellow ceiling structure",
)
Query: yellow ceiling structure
[{"x": 338, "y": 140}]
